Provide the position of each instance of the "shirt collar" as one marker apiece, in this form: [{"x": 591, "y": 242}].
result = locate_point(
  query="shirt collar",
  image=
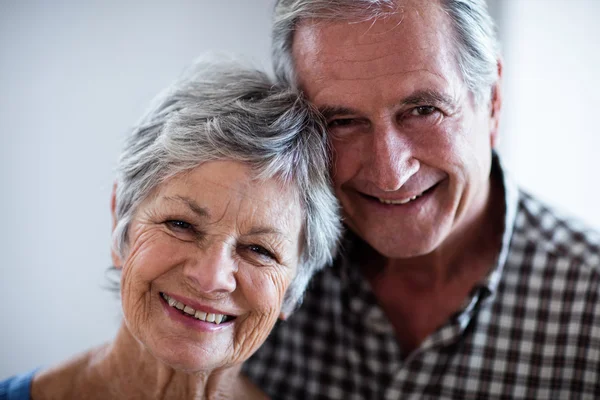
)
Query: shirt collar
[{"x": 511, "y": 201}]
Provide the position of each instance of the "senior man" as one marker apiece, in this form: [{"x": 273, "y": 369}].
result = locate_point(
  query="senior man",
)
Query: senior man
[{"x": 453, "y": 283}]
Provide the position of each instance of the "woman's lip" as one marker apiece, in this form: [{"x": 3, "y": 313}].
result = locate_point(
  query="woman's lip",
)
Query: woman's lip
[
  {"x": 192, "y": 322},
  {"x": 197, "y": 306}
]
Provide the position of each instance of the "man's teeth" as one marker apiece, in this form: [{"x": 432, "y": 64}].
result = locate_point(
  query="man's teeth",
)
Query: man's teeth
[
  {"x": 403, "y": 201},
  {"x": 202, "y": 316}
]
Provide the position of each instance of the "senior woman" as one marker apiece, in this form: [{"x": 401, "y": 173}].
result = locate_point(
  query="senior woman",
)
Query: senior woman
[{"x": 222, "y": 212}]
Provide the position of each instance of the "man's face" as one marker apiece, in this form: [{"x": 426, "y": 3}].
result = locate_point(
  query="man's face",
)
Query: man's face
[{"x": 412, "y": 150}]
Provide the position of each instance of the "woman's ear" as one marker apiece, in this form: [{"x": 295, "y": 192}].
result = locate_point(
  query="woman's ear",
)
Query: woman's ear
[
  {"x": 113, "y": 205},
  {"x": 116, "y": 258}
]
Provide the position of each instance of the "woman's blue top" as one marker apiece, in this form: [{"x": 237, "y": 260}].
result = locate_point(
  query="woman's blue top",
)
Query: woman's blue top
[{"x": 17, "y": 387}]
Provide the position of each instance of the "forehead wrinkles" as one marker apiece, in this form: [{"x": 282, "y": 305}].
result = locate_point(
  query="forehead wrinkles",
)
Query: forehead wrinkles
[
  {"x": 253, "y": 193},
  {"x": 367, "y": 48},
  {"x": 247, "y": 203}
]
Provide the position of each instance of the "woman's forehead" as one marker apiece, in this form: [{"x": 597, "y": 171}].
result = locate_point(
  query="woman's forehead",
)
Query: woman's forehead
[{"x": 220, "y": 190}]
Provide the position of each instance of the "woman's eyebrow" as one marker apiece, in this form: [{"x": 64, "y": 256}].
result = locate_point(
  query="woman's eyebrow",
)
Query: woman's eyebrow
[
  {"x": 196, "y": 208},
  {"x": 265, "y": 230},
  {"x": 268, "y": 231}
]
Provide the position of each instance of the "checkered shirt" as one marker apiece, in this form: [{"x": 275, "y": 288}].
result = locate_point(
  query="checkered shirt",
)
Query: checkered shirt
[{"x": 531, "y": 330}]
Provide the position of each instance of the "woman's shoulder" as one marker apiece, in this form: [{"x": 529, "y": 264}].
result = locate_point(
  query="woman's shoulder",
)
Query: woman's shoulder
[
  {"x": 17, "y": 387},
  {"x": 63, "y": 380}
]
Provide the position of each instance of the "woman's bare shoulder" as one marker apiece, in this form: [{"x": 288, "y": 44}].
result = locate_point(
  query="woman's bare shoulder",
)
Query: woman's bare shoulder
[{"x": 65, "y": 380}]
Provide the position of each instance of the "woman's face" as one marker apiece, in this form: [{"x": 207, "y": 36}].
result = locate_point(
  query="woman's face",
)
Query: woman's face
[{"x": 219, "y": 245}]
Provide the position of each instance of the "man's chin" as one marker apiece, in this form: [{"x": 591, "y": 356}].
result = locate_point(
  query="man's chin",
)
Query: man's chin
[
  {"x": 399, "y": 248},
  {"x": 405, "y": 253}
]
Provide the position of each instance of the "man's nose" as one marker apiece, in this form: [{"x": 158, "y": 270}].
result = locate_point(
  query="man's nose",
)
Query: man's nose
[
  {"x": 212, "y": 271},
  {"x": 391, "y": 162}
]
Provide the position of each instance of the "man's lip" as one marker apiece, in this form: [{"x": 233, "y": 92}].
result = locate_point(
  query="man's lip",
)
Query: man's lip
[
  {"x": 398, "y": 197},
  {"x": 197, "y": 306}
]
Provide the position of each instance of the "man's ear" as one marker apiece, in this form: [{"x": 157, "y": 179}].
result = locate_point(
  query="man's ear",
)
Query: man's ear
[
  {"x": 116, "y": 258},
  {"x": 283, "y": 316},
  {"x": 496, "y": 106}
]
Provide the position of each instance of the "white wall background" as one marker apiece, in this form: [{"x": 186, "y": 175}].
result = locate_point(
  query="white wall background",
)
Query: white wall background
[
  {"x": 551, "y": 125},
  {"x": 75, "y": 75}
]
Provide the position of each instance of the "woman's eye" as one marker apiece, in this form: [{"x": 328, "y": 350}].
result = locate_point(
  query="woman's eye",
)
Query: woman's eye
[
  {"x": 184, "y": 230},
  {"x": 261, "y": 251},
  {"x": 179, "y": 225}
]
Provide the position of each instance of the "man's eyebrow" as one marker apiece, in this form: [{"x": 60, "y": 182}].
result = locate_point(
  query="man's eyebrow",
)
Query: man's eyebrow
[
  {"x": 420, "y": 97},
  {"x": 423, "y": 97},
  {"x": 332, "y": 111},
  {"x": 195, "y": 207}
]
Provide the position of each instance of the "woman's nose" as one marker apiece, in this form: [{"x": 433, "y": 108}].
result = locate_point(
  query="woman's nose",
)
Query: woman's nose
[{"x": 212, "y": 270}]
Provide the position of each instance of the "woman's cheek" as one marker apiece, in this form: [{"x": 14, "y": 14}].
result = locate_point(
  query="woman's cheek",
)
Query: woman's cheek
[
  {"x": 269, "y": 288},
  {"x": 152, "y": 254},
  {"x": 155, "y": 253}
]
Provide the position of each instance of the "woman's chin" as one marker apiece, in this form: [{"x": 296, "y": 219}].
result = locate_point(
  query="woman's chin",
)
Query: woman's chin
[{"x": 183, "y": 351}]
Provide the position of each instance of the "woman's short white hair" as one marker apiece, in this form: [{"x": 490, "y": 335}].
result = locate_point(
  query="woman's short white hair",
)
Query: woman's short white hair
[
  {"x": 222, "y": 110},
  {"x": 477, "y": 48}
]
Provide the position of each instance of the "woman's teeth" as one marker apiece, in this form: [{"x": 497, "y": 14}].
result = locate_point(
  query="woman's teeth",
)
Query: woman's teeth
[
  {"x": 403, "y": 201},
  {"x": 202, "y": 316}
]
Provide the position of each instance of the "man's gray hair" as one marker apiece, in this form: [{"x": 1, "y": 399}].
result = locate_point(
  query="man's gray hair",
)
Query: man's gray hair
[
  {"x": 221, "y": 110},
  {"x": 477, "y": 48}
]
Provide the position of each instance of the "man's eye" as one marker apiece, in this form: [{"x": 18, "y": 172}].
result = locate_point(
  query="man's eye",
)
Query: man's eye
[
  {"x": 423, "y": 111},
  {"x": 340, "y": 123}
]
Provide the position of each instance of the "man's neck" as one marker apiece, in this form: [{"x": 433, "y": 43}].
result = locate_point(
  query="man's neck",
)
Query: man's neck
[
  {"x": 419, "y": 294},
  {"x": 477, "y": 237}
]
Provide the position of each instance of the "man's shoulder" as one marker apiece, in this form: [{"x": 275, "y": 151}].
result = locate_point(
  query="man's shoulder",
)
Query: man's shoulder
[{"x": 555, "y": 233}]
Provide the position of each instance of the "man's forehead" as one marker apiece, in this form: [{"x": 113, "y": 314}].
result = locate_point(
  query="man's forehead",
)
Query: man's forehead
[
  {"x": 352, "y": 15},
  {"x": 346, "y": 50}
]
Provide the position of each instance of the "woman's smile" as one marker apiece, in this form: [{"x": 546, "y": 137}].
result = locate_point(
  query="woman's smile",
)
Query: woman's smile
[{"x": 198, "y": 313}]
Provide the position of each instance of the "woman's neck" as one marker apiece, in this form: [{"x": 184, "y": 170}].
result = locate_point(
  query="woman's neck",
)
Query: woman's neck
[
  {"x": 124, "y": 369},
  {"x": 133, "y": 371}
]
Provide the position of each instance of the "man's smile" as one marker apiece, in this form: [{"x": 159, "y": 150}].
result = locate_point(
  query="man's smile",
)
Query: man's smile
[{"x": 403, "y": 199}]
